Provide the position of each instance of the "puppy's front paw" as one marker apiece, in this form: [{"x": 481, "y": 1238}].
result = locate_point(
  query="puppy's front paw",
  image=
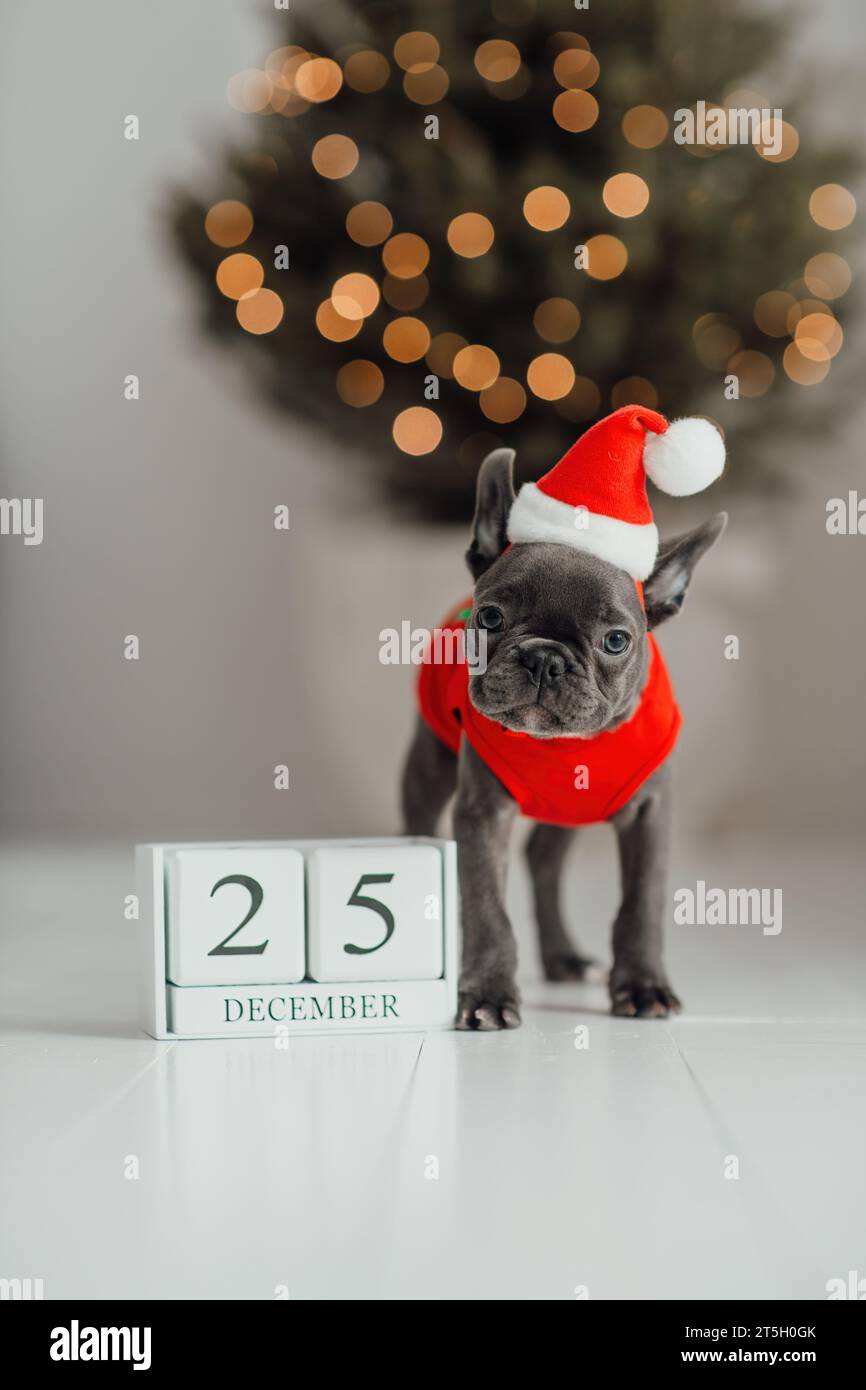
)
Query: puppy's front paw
[
  {"x": 568, "y": 965},
  {"x": 484, "y": 1010},
  {"x": 640, "y": 999}
]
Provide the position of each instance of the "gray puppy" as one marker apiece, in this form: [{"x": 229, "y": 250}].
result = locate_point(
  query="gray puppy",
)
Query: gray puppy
[{"x": 567, "y": 655}]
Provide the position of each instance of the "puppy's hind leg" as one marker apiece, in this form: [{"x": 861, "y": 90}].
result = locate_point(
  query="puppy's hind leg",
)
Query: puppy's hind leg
[
  {"x": 429, "y": 779},
  {"x": 560, "y": 959}
]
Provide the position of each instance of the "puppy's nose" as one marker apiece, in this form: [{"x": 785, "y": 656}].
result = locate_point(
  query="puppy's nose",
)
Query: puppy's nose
[{"x": 544, "y": 664}]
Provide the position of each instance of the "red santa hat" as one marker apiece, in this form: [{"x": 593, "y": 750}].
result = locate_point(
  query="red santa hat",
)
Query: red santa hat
[{"x": 595, "y": 497}]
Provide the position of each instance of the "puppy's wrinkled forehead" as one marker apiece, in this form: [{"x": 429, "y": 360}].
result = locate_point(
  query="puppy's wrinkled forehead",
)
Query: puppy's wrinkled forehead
[{"x": 566, "y": 586}]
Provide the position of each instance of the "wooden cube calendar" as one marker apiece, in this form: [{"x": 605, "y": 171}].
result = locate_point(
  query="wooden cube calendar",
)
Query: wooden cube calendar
[{"x": 304, "y": 936}]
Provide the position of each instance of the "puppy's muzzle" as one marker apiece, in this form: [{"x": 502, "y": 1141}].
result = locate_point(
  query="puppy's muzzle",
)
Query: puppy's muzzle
[{"x": 546, "y": 665}]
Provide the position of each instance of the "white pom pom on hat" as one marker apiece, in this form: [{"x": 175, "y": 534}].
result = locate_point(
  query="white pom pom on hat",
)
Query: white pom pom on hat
[
  {"x": 594, "y": 499},
  {"x": 686, "y": 458}
]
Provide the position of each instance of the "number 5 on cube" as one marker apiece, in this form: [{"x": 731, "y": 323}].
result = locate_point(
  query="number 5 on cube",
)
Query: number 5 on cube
[
  {"x": 235, "y": 916},
  {"x": 375, "y": 913}
]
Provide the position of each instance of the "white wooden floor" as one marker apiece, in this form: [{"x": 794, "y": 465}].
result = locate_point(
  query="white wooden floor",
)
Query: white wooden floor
[{"x": 558, "y": 1167}]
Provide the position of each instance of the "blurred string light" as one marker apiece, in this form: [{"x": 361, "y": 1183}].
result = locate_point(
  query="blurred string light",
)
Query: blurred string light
[
  {"x": 470, "y": 234},
  {"x": 405, "y": 294},
  {"x": 475, "y": 367},
  {"x": 260, "y": 311},
  {"x": 405, "y": 255},
  {"x": 754, "y": 372},
  {"x": 607, "y": 257},
  {"x": 355, "y": 296},
  {"x": 442, "y": 351},
  {"x": 556, "y": 320},
  {"x": 367, "y": 71},
  {"x": 625, "y": 195},
  {"x": 827, "y": 275},
  {"x": 406, "y": 339},
  {"x": 575, "y": 111},
  {"x": 369, "y": 223},
  {"x": 788, "y": 145},
  {"x": 550, "y": 376},
  {"x": 497, "y": 60},
  {"x": 832, "y": 207},
  {"x": 335, "y": 156},
  {"x": 644, "y": 127},
  {"x": 239, "y": 274},
  {"x": 228, "y": 223},
  {"x": 546, "y": 208},
  {"x": 426, "y": 87},
  {"x": 634, "y": 390},
  {"x": 318, "y": 79},
  {"x": 417, "y": 430},
  {"x": 582, "y": 402},
  {"x": 416, "y": 51},
  {"x": 333, "y": 326},
  {"x": 360, "y": 383},
  {"x": 504, "y": 401}
]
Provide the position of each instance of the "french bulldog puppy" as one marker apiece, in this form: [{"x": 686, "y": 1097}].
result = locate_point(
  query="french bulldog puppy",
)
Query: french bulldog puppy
[{"x": 568, "y": 652}]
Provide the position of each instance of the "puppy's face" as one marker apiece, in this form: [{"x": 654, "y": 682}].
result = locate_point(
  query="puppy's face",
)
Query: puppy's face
[
  {"x": 566, "y": 642},
  {"x": 566, "y": 633}
]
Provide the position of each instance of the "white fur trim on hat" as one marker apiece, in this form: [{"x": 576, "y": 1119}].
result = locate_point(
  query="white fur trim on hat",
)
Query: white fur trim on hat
[
  {"x": 537, "y": 517},
  {"x": 686, "y": 458}
]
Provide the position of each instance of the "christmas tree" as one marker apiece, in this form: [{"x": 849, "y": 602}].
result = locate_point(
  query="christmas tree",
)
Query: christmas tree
[{"x": 450, "y": 224}]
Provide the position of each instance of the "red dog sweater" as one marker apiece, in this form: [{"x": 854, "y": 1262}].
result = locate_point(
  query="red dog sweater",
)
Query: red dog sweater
[{"x": 562, "y": 781}]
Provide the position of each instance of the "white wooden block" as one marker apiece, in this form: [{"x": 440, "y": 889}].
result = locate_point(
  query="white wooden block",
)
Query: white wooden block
[
  {"x": 235, "y": 916},
  {"x": 375, "y": 913},
  {"x": 279, "y": 1010}
]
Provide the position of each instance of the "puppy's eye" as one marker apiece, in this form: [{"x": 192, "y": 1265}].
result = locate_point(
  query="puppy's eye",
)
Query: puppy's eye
[
  {"x": 490, "y": 617},
  {"x": 616, "y": 642}
]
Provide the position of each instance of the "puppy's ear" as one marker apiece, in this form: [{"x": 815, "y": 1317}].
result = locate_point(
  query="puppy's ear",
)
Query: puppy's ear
[
  {"x": 665, "y": 590},
  {"x": 492, "y": 504}
]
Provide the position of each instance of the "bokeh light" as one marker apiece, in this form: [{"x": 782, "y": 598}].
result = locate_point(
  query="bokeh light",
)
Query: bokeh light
[
  {"x": 771, "y": 312},
  {"x": 625, "y": 195},
  {"x": 827, "y": 275},
  {"x": 788, "y": 145},
  {"x": 805, "y": 371},
  {"x": 250, "y": 90},
  {"x": 497, "y": 60},
  {"x": 475, "y": 367},
  {"x": 583, "y": 401},
  {"x": 334, "y": 156},
  {"x": 406, "y": 339},
  {"x": 442, "y": 351},
  {"x": 369, "y": 224},
  {"x": 634, "y": 390},
  {"x": 504, "y": 401},
  {"x": 716, "y": 340},
  {"x": 575, "y": 110},
  {"x": 228, "y": 223},
  {"x": 367, "y": 71},
  {"x": 471, "y": 234},
  {"x": 405, "y": 255},
  {"x": 832, "y": 207},
  {"x": 405, "y": 294},
  {"x": 239, "y": 274},
  {"x": 259, "y": 311},
  {"x": 576, "y": 67},
  {"x": 417, "y": 430},
  {"x": 333, "y": 326},
  {"x": 416, "y": 51},
  {"x": 360, "y": 383},
  {"x": 754, "y": 371},
  {"x": 426, "y": 87},
  {"x": 607, "y": 257},
  {"x": 818, "y": 336},
  {"x": 644, "y": 127},
  {"x": 318, "y": 79},
  {"x": 546, "y": 208},
  {"x": 556, "y": 320},
  {"x": 355, "y": 296},
  {"x": 550, "y": 376}
]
